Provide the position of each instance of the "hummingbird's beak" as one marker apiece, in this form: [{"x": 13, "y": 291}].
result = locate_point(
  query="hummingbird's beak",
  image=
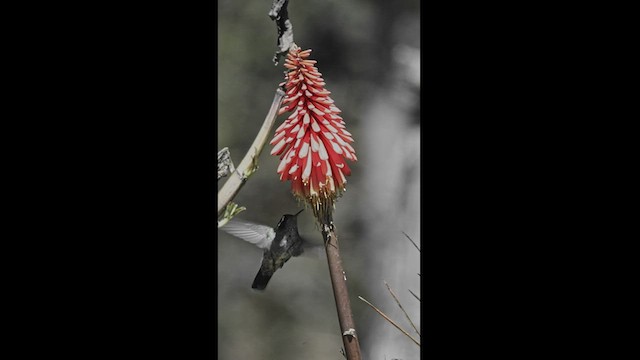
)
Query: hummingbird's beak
[{"x": 298, "y": 212}]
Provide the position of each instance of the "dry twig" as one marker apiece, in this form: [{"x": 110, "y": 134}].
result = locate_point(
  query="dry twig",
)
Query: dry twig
[
  {"x": 401, "y": 308},
  {"x": 389, "y": 320}
]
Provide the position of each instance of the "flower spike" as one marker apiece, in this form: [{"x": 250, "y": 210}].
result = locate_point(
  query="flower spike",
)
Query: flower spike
[{"x": 313, "y": 141}]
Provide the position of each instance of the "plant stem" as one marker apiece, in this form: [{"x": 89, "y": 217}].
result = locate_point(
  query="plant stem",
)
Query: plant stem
[
  {"x": 389, "y": 320},
  {"x": 401, "y": 308},
  {"x": 230, "y": 189},
  {"x": 340, "y": 293}
]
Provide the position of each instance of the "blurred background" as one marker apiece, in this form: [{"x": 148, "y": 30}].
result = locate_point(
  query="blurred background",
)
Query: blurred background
[{"x": 369, "y": 55}]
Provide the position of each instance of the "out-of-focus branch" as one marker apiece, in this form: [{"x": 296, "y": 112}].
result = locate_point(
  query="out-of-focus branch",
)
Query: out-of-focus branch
[
  {"x": 249, "y": 163},
  {"x": 280, "y": 14},
  {"x": 340, "y": 293}
]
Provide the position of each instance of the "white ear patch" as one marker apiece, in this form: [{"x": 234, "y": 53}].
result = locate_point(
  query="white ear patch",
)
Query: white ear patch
[{"x": 283, "y": 242}]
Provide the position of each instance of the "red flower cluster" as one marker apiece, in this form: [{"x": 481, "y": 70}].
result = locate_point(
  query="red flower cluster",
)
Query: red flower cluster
[{"x": 313, "y": 142}]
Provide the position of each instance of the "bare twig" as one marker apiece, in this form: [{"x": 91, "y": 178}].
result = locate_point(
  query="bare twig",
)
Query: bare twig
[
  {"x": 389, "y": 320},
  {"x": 340, "y": 293},
  {"x": 414, "y": 244},
  {"x": 248, "y": 164},
  {"x": 401, "y": 308}
]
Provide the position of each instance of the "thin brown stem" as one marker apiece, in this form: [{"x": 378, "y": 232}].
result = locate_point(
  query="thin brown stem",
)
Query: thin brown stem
[
  {"x": 340, "y": 293},
  {"x": 401, "y": 308},
  {"x": 237, "y": 178},
  {"x": 389, "y": 320}
]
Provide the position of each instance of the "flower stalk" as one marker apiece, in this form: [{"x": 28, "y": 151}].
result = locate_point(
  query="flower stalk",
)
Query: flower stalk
[
  {"x": 341, "y": 294},
  {"x": 313, "y": 143}
]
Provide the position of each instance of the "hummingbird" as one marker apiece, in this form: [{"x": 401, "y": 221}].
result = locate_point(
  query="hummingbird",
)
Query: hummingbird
[{"x": 279, "y": 244}]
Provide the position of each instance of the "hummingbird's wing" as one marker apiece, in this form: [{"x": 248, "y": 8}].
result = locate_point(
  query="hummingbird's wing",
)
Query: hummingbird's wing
[{"x": 259, "y": 235}]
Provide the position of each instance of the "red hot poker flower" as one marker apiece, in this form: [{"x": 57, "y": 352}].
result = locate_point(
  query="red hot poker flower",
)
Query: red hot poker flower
[{"x": 313, "y": 141}]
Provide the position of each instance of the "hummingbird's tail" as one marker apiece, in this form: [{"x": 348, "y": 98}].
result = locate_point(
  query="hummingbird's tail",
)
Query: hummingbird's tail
[{"x": 261, "y": 280}]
